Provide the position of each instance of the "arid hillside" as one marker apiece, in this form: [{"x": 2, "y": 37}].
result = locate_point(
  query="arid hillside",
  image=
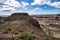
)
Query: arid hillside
[
  {"x": 17, "y": 23},
  {"x": 43, "y": 27},
  {"x": 50, "y": 24}
]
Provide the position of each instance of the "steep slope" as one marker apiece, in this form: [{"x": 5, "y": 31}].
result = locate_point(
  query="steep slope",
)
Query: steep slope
[{"x": 18, "y": 23}]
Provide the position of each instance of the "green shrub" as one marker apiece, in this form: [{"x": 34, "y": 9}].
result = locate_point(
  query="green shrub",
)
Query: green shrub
[{"x": 27, "y": 36}]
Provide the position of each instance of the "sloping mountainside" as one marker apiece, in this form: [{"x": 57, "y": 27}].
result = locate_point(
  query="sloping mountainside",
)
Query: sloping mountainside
[
  {"x": 17, "y": 23},
  {"x": 50, "y": 24}
]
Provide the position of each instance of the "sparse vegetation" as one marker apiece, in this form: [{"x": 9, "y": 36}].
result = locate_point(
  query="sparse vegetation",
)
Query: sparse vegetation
[
  {"x": 23, "y": 36},
  {"x": 27, "y": 36},
  {"x": 17, "y": 24},
  {"x": 25, "y": 27}
]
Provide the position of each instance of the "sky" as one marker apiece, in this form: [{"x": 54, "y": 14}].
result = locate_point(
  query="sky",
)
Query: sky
[{"x": 33, "y": 7}]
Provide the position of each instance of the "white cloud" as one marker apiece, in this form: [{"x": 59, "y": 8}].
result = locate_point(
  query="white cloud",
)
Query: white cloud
[
  {"x": 56, "y": 4},
  {"x": 2, "y": 1},
  {"x": 35, "y": 11},
  {"x": 7, "y": 9},
  {"x": 41, "y": 2},
  {"x": 12, "y": 3},
  {"x": 25, "y": 4},
  {"x": 48, "y": 2},
  {"x": 9, "y": 5}
]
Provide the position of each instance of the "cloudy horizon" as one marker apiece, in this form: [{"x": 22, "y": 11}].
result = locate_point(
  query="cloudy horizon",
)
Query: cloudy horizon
[{"x": 33, "y": 7}]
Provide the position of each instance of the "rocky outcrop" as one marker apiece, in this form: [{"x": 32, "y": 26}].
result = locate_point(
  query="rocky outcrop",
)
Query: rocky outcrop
[
  {"x": 19, "y": 14},
  {"x": 23, "y": 16}
]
